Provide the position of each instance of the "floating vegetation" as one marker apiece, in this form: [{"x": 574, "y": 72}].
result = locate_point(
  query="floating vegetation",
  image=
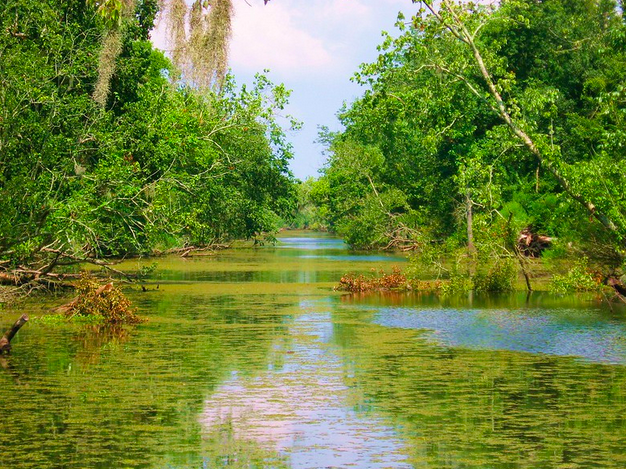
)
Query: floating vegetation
[
  {"x": 377, "y": 281},
  {"x": 55, "y": 319},
  {"x": 101, "y": 303}
]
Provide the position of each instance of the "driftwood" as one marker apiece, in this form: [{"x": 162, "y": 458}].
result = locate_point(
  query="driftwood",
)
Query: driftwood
[
  {"x": 5, "y": 342},
  {"x": 191, "y": 251},
  {"x": 532, "y": 244},
  {"x": 44, "y": 275}
]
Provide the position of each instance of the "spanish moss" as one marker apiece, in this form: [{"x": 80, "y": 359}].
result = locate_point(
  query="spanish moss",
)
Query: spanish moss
[
  {"x": 199, "y": 38},
  {"x": 111, "y": 48}
]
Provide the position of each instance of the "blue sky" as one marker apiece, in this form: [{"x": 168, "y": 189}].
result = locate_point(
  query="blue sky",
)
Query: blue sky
[{"x": 313, "y": 47}]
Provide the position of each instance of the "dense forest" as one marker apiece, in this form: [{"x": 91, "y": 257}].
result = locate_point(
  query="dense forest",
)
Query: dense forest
[
  {"x": 105, "y": 151},
  {"x": 482, "y": 122}
]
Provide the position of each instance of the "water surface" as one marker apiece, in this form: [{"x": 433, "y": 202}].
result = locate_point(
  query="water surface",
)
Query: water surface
[{"x": 250, "y": 359}]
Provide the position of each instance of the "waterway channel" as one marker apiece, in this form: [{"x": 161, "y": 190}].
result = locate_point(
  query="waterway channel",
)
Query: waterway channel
[{"x": 249, "y": 359}]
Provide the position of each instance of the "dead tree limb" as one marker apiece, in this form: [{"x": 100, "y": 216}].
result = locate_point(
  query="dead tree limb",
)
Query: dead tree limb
[
  {"x": 5, "y": 342},
  {"x": 89, "y": 260}
]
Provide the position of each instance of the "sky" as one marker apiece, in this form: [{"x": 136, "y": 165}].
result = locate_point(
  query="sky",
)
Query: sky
[{"x": 313, "y": 47}]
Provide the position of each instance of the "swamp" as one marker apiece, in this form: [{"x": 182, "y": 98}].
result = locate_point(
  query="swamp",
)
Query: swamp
[
  {"x": 221, "y": 255},
  {"x": 248, "y": 358}
]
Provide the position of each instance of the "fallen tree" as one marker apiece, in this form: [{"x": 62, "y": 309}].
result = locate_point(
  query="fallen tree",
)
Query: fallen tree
[{"x": 40, "y": 273}]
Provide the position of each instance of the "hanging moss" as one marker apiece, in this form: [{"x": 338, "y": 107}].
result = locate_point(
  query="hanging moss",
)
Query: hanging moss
[
  {"x": 111, "y": 48},
  {"x": 199, "y": 38}
]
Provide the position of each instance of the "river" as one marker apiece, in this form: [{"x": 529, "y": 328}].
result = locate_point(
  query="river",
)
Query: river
[{"x": 249, "y": 359}]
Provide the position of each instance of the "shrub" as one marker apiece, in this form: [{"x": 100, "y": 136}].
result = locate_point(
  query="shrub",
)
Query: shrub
[
  {"x": 457, "y": 283},
  {"x": 500, "y": 277},
  {"x": 579, "y": 279}
]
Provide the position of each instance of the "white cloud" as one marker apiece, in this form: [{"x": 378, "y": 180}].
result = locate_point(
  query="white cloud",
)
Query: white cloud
[
  {"x": 268, "y": 37},
  {"x": 353, "y": 11},
  {"x": 313, "y": 46}
]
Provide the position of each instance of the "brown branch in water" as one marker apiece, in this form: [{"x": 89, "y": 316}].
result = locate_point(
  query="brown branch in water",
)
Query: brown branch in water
[
  {"x": 5, "y": 341},
  {"x": 190, "y": 251},
  {"x": 31, "y": 278}
]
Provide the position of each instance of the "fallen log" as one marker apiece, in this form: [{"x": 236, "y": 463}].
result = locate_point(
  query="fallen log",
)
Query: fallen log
[
  {"x": 618, "y": 286},
  {"x": 5, "y": 342}
]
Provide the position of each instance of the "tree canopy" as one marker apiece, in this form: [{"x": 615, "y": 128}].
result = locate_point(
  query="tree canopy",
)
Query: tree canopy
[{"x": 161, "y": 165}]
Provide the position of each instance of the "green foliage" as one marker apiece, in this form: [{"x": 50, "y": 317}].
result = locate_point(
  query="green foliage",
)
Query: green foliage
[
  {"x": 430, "y": 128},
  {"x": 458, "y": 282},
  {"x": 499, "y": 277},
  {"x": 308, "y": 213},
  {"x": 161, "y": 166},
  {"x": 579, "y": 278}
]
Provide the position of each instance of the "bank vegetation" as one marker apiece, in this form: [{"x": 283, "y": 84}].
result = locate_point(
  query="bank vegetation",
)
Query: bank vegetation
[{"x": 490, "y": 132}]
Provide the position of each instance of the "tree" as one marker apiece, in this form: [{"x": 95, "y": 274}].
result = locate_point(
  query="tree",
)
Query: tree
[
  {"x": 161, "y": 166},
  {"x": 453, "y": 18},
  {"x": 501, "y": 113}
]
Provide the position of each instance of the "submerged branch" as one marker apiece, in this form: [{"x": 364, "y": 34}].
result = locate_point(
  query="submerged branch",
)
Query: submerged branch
[{"x": 5, "y": 341}]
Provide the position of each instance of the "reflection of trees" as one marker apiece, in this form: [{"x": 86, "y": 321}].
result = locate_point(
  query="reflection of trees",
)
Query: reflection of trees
[
  {"x": 471, "y": 300},
  {"x": 100, "y": 400},
  {"x": 465, "y": 408}
]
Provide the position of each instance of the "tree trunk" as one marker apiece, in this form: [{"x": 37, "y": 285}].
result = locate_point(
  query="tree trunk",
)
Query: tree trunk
[
  {"x": 619, "y": 287},
  {"x": 470, "y": 224},
  {"x": 5, "y": 342}
]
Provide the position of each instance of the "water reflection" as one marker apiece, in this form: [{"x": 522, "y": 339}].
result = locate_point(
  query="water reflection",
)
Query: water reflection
[
  {"x": 564, "y": 332},
  {"x": 478, "y": 409},
  {"x": 331, "y": 249},
  {"x": 301, "y": 408},
  {"x": 311, "y": 243}
]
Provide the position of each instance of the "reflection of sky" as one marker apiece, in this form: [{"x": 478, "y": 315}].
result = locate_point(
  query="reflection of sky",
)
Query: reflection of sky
[
  {"x": 301, "y": 408},
  {"x": 357, "y": 257},
  {"x": 532, "y": 331},
  {"x": 312, "y": 243},
  {"x": 333, "y": 249}
]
